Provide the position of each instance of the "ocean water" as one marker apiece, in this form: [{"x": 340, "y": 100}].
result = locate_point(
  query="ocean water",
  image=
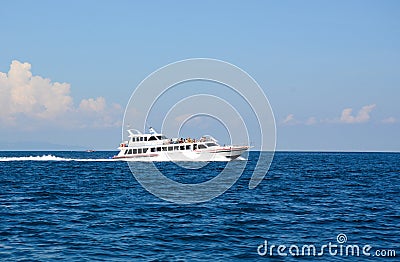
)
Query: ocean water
[{"x": 78, "y": 206}]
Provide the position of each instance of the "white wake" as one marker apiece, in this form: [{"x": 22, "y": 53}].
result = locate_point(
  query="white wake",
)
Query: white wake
[{"x": 54, "y": 158}]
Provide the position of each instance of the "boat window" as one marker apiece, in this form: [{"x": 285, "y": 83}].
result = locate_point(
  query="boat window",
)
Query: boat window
[
  {"x": 187, "y": 147},
  {"x": 152, "y": 138},
  {"x": 135, "y": 151},
  {"x": 170, "y": 148},
  {"x": 194, "y": 146},
  {"x": 158, "y": 148},
  {"x": 164, "y": 148},
  {"x": 153, "y": 149},
  {"x": 159, "y": 137},
  {"x": 126, "y": 152},
  {"x": 211, "y": 144},
  {"x": 145, "y": 138},
  {"x": 182, "y": 147},
  {"x": 141, "y": 138},
  {"x": 130, "y": 151},
  {"x": 176, "y": 147},
  {"x": 145, "y": 150},
  {"x": 163, "y": 137},
  {"x": 201, "y": 146},
  {"x": 139, "y": 151}
]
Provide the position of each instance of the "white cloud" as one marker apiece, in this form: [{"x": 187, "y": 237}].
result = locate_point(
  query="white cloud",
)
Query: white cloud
[
  {"x": 389, "y": 120},
  {"x": 93, "y": 105},
  {"x": 289, "y": 119},
  {"x": 192, "y": 120},
  {"x": 362, "y": 116},
  {"x": 179, "y": 119},
  {"x": 24, "y": 96},
  {"x": 33, "y": 96},
  {"x": 311, "y": 121}
]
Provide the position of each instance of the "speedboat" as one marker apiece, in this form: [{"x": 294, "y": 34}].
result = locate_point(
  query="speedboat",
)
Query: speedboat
[{"x": 153, "y": 146}]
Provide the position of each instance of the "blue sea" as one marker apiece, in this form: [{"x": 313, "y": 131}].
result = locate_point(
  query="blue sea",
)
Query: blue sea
[{"x": 78, "y": 206}]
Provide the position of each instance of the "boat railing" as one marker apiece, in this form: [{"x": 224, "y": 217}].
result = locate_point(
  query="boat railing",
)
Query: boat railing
[{"x": 208, "y": 138}]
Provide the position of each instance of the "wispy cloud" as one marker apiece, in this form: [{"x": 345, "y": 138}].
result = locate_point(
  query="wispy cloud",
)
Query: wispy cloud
[
  {"x": 195, "y": 121},
  {"x": 180, "y": 118},
  {"x": 362, "y": 116},
  {"x": 289, "y": 120},
  {"x": 347, "y": 117},
  {"x": 25, "y": 96},
  {"x": 389, "y": 120},
  {"x": 311, "y": 121}
]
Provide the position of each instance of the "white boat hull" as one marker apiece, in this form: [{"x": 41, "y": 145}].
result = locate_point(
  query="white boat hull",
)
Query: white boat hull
[{"x": 214, "y": 154}]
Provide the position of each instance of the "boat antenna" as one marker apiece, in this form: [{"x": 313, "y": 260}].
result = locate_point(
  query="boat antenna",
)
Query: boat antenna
[{"x": 152, "y": 131}]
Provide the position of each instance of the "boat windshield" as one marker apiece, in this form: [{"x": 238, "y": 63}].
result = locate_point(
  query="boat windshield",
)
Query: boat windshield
[
  {"x": 211, "y": 144},
  {"x": 152, "y": 138}
]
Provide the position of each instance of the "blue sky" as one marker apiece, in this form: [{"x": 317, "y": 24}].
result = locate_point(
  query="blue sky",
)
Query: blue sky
[{"x": 315, "y": 60}]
